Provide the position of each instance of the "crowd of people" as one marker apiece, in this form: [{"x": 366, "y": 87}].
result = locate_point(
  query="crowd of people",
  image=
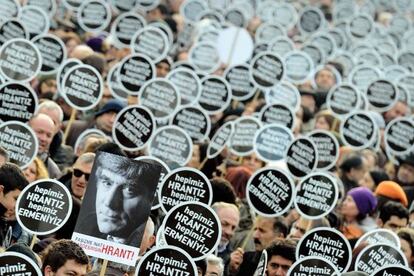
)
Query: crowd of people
[{"x": 376, "y": 188}]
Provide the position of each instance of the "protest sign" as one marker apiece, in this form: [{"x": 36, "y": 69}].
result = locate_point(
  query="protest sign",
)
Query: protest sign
[
  {"x": 12, "y": 28},
  {"x": 204, "y": 57},
  {"x": 20, "y": 142},
  {"x": 363, "y": 75},
  {"x": 376, "y": 256},
  {"x": 112, "y": 81},
  {"x": 358, "y": 130},
  {"x": 234, "y": 46},
  {"x": 125, "y": 26},
  {"x": 281, "y": 45},
  {"x": 311, "y": 20},
  {"x": 343, "y": 99},
  {"x": 245, "y": 129},
  {"x": 115, "y": 208},
  {"x": 393, "y": 270},
  {"x": 183, "y": 185},
  {"x": 220, "y": 140},
  {"x": 152, "y": 42},
  {"x": 267, "y": 69},
  {"x": 53, "y": 52},
  {"x": 399, "y": 136},
  {"x": 301, "y": 157},
  {"x": 380, "y": 235},
  {"x": 43, "y": 207},
  {"x": 271, "y": 142},
  {"x": 166, "y": 260},
  {"x": 327, "y": 243},
  {"x": 15, "y": 263},
  {"x": 72, "y": 5},
  {"x": 299, "y": 66},
  {"x": 241, "y": 86},
  {"x": 268, "y": 31},
  {"x": 270, "y": 192},
  {"x": 194, "y": 121},
  {"x": 81, "y": 140},
  {"x": 278, "y": 113},
  {"x": 161, "y": 97},
  {"x": 133, "y": 127},
  {"x": 17, "y": 102},
  {"x": 284, "y": 92},
  {"x": 172, "y": 145},
  {"x": 215, "y": 94},
  {"x": 407, "y": 81},
  {"x": 20, "y": 60},
  {"x": 313, "y": 266},
  {"x": 9, "y": 9},
  {"x": 135, "y": 70},
  {"x": 316, "y": 195},
  {"x": 63, "y": 69},
  {"x": 360, "y": 26},
  {"x": 147, "y": 5},
  {"x": 82, "y": 87},
  {"x": 164, "y": 171},
  {"x": 406, "y": 59},
  {"x": 94, "y": 16},
  {"x": 191, "y": 9},
  {"x": 261, "y": 267},
  {"x": 327, "y": 147},
  {"x": 49, "y": 6},
  {"x": 325, "y": 42},
  {"x": 235, "y": 16},
  {"x": 35, "y": 20},
  {"x": 193, "y": 227},
  {"x": 339, "y": 37},
  {"x": 123, "y": 6},
  {"x": 187, "y": 83}
]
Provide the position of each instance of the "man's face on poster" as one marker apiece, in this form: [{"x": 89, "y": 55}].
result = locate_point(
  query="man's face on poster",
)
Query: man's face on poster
[{"x": 118, "y": 204}]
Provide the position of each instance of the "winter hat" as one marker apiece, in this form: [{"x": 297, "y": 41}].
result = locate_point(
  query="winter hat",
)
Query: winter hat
[
  {"x": 392, "y": 190},
  {"x": 111, "y": 105},
  {"x": 365, "y": 200}
]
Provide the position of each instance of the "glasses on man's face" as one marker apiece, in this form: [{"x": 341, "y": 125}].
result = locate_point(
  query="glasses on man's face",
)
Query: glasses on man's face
[{"x": 79, "y": 173}]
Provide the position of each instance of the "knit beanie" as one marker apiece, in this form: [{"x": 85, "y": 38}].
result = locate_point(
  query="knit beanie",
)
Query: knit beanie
[
  {"x": 365, "y": 200},
  {"x": 392, "y": 190}
]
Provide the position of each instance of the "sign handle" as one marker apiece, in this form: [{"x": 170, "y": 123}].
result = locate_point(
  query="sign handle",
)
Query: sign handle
[
  {"x": 233, "y": 46},
  {"x": 103, "y": 268},
  {"x": 248, "y": 237},
  {"x": 203, "y": 163},
  {"x": 34, "y": 240},
  {"x": 69, "y": 125}
]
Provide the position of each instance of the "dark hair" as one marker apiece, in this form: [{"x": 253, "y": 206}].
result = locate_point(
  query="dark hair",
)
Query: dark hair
[
  {"x": 279, "y": 226},
  {"x": 378, "y": 176},
  {"x": 96, "y": 61},
  {"x": 238, "y": 177},
  {"x": 393, "y": 208},
  {"x": 12, "y": 178},
  {"x": 57, "y": 253},
  {"x": 351, "y": 161},
  {"x": 22, "y": 248},
  {"x": 4, "y": 153},
  {"x": 285, "y": 248},
  {"x": 408, "y": 235},
  {"x": 222, "y": 190},
  {"x": 202, "y": 265}
]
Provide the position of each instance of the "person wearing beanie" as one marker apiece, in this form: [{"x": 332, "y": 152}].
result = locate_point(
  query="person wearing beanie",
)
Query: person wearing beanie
[
  {"x": 390, "y": 190},
  {"x": 372, "y": 179},
  {"x": 358, "y": 204}
]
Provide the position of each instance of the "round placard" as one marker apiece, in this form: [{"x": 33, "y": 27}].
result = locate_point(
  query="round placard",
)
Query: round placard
[
  {"x": 376, "y": 256},
  {"x": 35, "y": 20},
  {"x": 220, "y": 140},
  {"x": 63, "y": 69},
  {"x": 362, "y": 76},
  {"x": 301, "y": 157},
  {"x": 14, "y": 263},
  {"x": 399, "y": 136},
  {"x": 187, "y": 83},
  {"x": 267, "y": 69},
  {"x": 278, "y": 113},
  {"x": 328, "y": 148},
  {"x": 49, "y": 6},
  {"x": 393, "y": 270},
  {"x": 360, "y": 26},
  {"x": 152, "y": 42},
  {"x": 204, "y": 57},
  {"x": 245, "y": 129},
  {"x": 215, "y": 94},
  {"x": 125, "y": 26},
  {"x": 358, "y": 130},
  {"x": 343, "y": 99},
  {"x": 311, "y": 20},
  {"x": 272, "y": 141},
  {"x": 380, "y": 235},
  {"x": 9, "y": 9},
  {"x": 281, "y": 45},
  {"x": 112, "y": 81},
  {"x": 191, "y": 9},
  {"x": 53, "y": 52},
  {"x": 194, "y": 121},
  {"x": 17, "y": 102},
  {"x": 94, "y": 15},
  {"x": 284, "y": 92},
  {"x": 12, "y": 28},
  {"x": 242, "y": 87},
  {"x": 313, "y": 265},
  {"x": 299, "y": 66}
]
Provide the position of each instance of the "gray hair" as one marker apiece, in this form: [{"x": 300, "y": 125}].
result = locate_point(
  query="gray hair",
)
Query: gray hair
[
  {"x": 219, "y": 205},
  {"x": 50, "y": 105},
  {"x": 216, "y": 261},
  {"x": 88, "y": 158}
]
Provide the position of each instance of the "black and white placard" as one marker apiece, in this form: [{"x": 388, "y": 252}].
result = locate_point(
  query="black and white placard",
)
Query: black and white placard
[
  {"x": 299, "y": 66},
  {"x": 72, "y": 5},
  {"x": 187, "y": 83},
  {"x": 358, "y": 130},
  {"x": 393, "y": 270},
  {"x": 20, "y": 60},
  {"x": 15, "y": 263},
  {"x": 215, "y": 94},
  {"x": 172, "y": 145},
  {"x": 270, "y": 192},
  {"x": 12, "y": 28},
  {"x": 147, "y": 5},
  {"x": 220, "y": 140},
  {"x": 327, "y": 243},
  {"x": 193, "y": 227},
  {"x": 325, "y": 42},
  {"x": 268, "y": 31},
  {"x": 164, "y": 260},
  {"x": 94, "y": 15},
  {"x": 191, "y": 9},
  {"x": 278, "y": 113},
  {"x": 135, "y": 71},
  {"x": 360, "y": 26},
  {"x": 183, "y": 185},
  {"x": 284, "y": 92},
  {"x": 82, "y": 87},
  {"x": 81, "y": 139},
  {"x": 125, "y": 26},
  {"x": 267, "y": 69},
  {"x": 194, "y": 121},
  {"x": 380, "y": 235},
  {"x": 20, "y": 142},
  {"x": 17, "y": 102},
  {"x": 235, "y": 16},
  {"x": 382, "y": 94},
  {"x": 133, "y": 127},
  {"x": 9, "y": 9},
  {"x": 399, "y": 136},
  {"x": 261, "y": 267},
  {"x": 63, "y": 69},
  {"x": 301, "y": 157},
  {"x": 242, "y": 87},
  {"x": 245, "y": 129},
  {"x": 43, "y": 206},
  {"x": 281, "y": 45},
  {"x": 313, "y": 265},
  {"x": 35, "y": 20},
  {"x": 328, "y": 148},
  {"x": 204, "y": 57},
  {"x": 363, "y": 75},
  {"x": 52, "y": 50},
  {"x": 49, "y": 6},
  {"x": 311, "y": 20},
  {"x": 343, "y": 98},
  {"x": 152, "y": 42},
  {"x": 316, "y": 195},
  {"x": 271, "y": 142},
  {"x": 114, "y": 85}
]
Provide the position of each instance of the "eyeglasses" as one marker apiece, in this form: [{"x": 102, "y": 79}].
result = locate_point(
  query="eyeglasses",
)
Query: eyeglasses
[{"x": 79, "y": 173}]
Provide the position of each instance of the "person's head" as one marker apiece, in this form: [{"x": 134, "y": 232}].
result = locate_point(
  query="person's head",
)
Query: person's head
[
  {"x": 372, "y": 179},
  {"x": 324, "y": 120},
  {"x": 121, "y": 195},
  {"x": 390, "y": 190},
  {"x": 163, "y": 68},
  {"x": 64, "y": 257},
  {"x": 195, "y": 160},
  {"x": 54, "y": 111},
  {"x": 353, "y": 166},
  {"x": 238, "y": 176},
  {"x": 229, "y": 218},
  {"x": 81, "y": 171},
  {"x": 266, "y": 230},
  {"x": 44, "y": 128},
  {"x": 393, "y": 216},
  {"x": 148, "y": 239},
  {"x": 371, "y": 157},
  {"x": 47, "y": 88},
  {"x": 400, "y": 109},
  {"x": 215, "y": 266},
  {"x": 406, "y": 236},
  {"x": 405, "y": 172},
  {"x": 325, "y": 78},
  {"x": 252, "y": 162},
  {"x": 4, "y": 156},
  {"x": 280, "y": 257},
  {"x": 358, "y": 203},
  {"x": 222, "y": 191},
  {"x": 36, "y": 170},
  {"x": 105, "y": 117},
  {"x": 12, "y": 182},
  {"x": 299, "y": 228},
  {"x": 90, "y": 139}
]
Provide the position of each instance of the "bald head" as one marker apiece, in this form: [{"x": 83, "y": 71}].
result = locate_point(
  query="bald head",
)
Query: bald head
[{"x": 44, "y": 128}]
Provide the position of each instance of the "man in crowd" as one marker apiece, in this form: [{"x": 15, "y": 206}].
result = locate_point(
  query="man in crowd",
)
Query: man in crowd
[
  {"x": 393, "y": 216},
  {"x": 64, "y": 257},
  {"x": 215, "y": 266},
  {"x": 405, "y": 175},
  {"x": 4, "y": 156},
  {"x": 280, "y": 257}
]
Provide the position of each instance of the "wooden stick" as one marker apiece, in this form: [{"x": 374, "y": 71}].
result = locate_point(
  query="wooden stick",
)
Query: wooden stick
[
  {"x": 69, "y": 125},
  {"x": 248, "y": 237},
  {"x": 203, "y": 163},
  {"x": 256, "y": 96},
  {"x": 233, "y": 46},
  {"x": 103, "y": 268},
  {"x": 34, "y": 239}
]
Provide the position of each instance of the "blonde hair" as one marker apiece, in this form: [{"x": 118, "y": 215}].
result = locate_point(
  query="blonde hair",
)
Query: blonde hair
[{"x": 41, "y": 170}]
